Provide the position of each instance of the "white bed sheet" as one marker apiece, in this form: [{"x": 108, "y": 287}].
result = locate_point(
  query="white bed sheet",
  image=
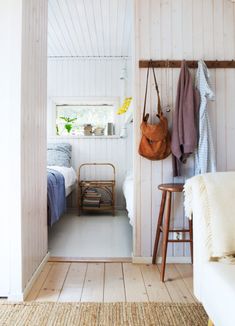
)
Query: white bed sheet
[
  {"x": 70, "y": 177},
  {"x": 128, "y": 190}
]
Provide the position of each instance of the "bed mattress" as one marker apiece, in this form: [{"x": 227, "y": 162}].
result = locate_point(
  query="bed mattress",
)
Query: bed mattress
[{"x": 128, "y": 190}]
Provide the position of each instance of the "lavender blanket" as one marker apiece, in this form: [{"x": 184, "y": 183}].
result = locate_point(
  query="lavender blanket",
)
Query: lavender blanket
[{"x": 56, "y": 199}]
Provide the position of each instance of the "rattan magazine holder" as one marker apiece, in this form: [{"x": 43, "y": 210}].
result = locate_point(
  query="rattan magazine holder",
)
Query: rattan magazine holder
[{"x": 96, "y": 195}]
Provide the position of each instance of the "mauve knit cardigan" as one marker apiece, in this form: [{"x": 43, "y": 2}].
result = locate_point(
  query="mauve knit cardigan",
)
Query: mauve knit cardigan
[{"x": 185, "y": 125}]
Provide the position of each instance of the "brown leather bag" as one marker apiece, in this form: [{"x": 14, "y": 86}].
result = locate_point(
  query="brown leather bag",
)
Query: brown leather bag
[{"x": 155, "y": 142}]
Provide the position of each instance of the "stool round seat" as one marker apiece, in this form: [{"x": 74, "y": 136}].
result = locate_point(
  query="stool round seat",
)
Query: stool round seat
[{"x": 171, "y": 187}]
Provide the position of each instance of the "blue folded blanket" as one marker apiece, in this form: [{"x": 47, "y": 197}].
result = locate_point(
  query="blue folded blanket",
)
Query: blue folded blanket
[{"x": 56, "y": 199}]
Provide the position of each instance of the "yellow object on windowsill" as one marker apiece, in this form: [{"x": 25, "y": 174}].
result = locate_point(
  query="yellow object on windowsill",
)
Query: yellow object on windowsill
[{"x": 125, "y": 105}]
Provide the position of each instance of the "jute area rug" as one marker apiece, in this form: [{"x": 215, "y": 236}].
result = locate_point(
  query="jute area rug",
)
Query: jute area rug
[{"x": 102, "y": 314}]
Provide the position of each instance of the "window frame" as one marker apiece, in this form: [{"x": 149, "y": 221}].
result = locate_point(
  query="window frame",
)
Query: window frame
[{"x": 55, "y": 101}]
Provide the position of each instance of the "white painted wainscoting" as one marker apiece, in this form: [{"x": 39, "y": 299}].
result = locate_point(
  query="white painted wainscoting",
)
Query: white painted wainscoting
[{"x": 178, "y": 29}]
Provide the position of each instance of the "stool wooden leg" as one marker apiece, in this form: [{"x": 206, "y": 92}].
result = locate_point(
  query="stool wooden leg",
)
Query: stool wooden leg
[
  {"x": 191, "y": 238},
  {"x": 165, "y": 236},
  {"x": 159, "y": 224}
]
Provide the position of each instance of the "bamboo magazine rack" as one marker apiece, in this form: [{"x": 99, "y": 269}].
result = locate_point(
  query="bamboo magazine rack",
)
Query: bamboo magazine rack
[{"x": 96, "y": 195}]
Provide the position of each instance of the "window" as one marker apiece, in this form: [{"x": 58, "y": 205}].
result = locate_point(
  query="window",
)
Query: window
[{"x": 77, "y": 119}]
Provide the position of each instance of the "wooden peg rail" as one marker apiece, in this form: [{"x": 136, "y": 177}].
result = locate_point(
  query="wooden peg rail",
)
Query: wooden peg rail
[{"x": 212, "y": 64}]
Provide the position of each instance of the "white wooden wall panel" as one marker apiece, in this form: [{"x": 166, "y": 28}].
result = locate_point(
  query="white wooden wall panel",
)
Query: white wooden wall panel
[
  {"x": 23, "y": 171},
  {"x": 33, "y": 137},
  {"x": 86, "y": 77},
  {"x": 10, "y": 238},
  {"x": 178, "y": 29}
]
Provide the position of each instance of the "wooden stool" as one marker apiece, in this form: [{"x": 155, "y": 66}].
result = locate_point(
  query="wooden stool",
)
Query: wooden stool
[{"x": 167, "y": 190}]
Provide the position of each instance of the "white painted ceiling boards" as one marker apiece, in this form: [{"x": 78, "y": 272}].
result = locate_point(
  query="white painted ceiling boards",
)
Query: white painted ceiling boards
[{"x": 89, "y": 28}]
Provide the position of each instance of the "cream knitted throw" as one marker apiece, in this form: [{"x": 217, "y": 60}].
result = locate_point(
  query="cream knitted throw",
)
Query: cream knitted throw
[{"x": 216, "y": 193}]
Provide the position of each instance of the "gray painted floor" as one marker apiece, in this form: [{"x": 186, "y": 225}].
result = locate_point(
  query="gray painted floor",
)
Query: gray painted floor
[{"x": 91, "y": 236}]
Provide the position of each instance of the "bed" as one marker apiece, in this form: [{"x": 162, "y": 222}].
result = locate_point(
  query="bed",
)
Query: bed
[
  {"x": 128, "y": 191},
  {"x": 69, "y": 175},
  {"x": 61, "y": 179}
]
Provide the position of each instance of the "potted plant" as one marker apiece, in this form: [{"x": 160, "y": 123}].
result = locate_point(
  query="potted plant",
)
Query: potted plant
[{"x": 68, "y": 123}]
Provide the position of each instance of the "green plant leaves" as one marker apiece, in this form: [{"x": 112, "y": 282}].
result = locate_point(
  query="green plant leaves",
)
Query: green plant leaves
[{"x": 68, "y": 119}]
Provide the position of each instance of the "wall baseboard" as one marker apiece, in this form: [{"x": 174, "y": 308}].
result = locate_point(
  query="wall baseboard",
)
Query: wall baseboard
[
  {"x": 91, "y": 260},
  {"x": 15, "y": 297},
  {"x": 170, "y": 260},
  {"x": 35, "y": 276},
  {"x": 74, "y": 210}
]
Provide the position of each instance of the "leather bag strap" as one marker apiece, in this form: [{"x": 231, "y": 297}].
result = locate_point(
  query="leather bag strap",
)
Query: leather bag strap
[
  {"x": 146, "y": 92},
  {"x": 159, "y": 108}
]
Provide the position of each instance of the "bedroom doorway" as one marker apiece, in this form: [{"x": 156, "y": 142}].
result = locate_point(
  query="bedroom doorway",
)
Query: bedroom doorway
[{"x": 90, "y": 129}]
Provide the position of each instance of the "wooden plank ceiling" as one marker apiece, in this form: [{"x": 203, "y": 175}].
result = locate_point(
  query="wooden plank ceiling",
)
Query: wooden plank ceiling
[{"x": 89, "y": 28}]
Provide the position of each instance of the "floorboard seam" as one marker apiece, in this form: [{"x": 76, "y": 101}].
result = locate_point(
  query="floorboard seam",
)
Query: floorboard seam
[{"x": 84, "y": 282}]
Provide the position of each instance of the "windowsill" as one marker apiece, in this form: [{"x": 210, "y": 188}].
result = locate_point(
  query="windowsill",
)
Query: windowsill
[{"x": 84, "y": 137}]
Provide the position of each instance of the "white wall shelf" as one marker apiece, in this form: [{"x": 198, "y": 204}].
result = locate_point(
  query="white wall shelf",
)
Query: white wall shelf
[{"x": 84, "y": 137}]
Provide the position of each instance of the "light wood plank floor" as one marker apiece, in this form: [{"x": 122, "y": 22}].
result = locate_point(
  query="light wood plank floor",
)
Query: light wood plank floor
[{"x": 112, "y": 282}]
